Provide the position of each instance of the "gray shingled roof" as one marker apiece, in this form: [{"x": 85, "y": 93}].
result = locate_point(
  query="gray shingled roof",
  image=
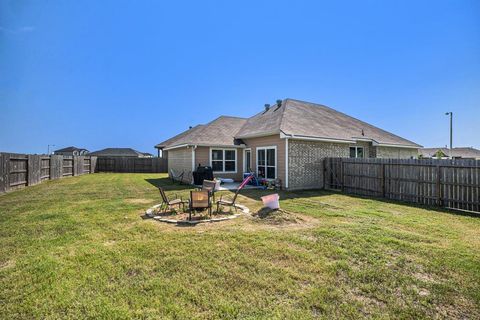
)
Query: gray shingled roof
[
  {"x": 117, "y": 152},
  {"x": 70, "y": 149},
  {"x": 219, "y": 132},
  {"x": 292, "y": 117},
  {"x": 307, "y": 119},
  {"x": 463, "y": 152}
]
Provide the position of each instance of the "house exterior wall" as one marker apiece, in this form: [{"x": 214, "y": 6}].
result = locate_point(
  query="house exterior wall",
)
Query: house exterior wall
[
  {"x": 268, "y": 141},
  {"x": 396, "y": 153},
  {"x": 180, "y": 160},
  {"x": 305, "y": 167},
  {"x": 202, "y": 157}
]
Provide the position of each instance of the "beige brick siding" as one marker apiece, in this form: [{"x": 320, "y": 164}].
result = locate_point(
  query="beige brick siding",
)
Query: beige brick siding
[
  {"x": 396, "y": 153},
  {"x": 305, "y": 170},
  {"x": 273, "y": 140},
  {"x": 202, "y": 157},
  {"x": 180, "y": 160}
]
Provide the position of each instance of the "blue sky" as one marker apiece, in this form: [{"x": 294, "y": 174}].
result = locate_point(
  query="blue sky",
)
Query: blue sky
[{"x": 99, "y": 74}]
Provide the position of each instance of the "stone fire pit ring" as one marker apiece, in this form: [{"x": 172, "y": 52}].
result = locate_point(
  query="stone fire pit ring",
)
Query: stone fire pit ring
[{"x": 150, "y": 212}]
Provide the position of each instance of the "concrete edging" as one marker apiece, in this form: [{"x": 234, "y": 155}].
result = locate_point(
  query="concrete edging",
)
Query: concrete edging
[{"x": 149, "y": 213}]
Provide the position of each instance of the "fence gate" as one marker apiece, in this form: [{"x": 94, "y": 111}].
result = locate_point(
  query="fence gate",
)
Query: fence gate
[{"x": 333, "y": 173}]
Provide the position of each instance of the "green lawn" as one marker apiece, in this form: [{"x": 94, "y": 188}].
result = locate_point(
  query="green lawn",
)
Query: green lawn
[{"x": 78, "y": 248}]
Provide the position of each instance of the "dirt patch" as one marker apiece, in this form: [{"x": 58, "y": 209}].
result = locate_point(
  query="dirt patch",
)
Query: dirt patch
[
  {"x": 277, "y": 217},
  {"x": 7, "y": 264},
  {"x": 138, "y": 201},
  {"x": 109, "y": 243}
]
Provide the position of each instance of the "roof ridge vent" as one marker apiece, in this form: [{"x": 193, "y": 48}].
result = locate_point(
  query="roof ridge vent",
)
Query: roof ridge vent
[{"x": 267, "y": 107}]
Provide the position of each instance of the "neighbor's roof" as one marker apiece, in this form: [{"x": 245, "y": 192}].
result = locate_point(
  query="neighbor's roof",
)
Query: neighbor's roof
[
  {"x": 219, "y": 132},
  {"x": 117, "y": 152},
  {"x": 464, "y": 152},
  {"x": 305, "y": 119},
  {"x": 70, "y": 149}
]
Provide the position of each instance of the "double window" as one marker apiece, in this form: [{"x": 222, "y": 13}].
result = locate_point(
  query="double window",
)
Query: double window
[
  {"x": 356, "y": 152},
  {"x": 224, "y": 160},
  {"x": 267, "y": 162}
]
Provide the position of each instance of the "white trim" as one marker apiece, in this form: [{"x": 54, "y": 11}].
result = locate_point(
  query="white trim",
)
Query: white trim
[
  {"x": 257, "y": 135},
  {"x": 376, "y": 144},
  {"x": 353, "y": 140},
  {"x": 286, "y": 163},
  {"x": 245, "y": 158},
  {"x": 295, "y": 137},
  {"x": 205, "y": 145},
  {"x": 176, "y": 147},
  {"x": 276, "y": 160},
  {"x": 236, "y": 159},
  {"x": 193, "y": 157}
]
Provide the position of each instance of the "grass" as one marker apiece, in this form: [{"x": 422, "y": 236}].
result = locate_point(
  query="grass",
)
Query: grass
[{"x": 78, "y": 248}]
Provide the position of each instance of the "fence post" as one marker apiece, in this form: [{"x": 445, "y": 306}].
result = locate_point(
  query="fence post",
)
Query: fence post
[
  {"x": 324, "y": 172},
  {"x": 438, "y": 185},
  {"x": 342, "y": 178},
  {"x": 383, "y": 180},
  {"x": 4, "y": 172},
  {"x": 34, "y": 164}
]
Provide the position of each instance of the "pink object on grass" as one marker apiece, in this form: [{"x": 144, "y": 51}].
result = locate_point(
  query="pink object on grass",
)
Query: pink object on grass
[{"x": 271, "y": 201}]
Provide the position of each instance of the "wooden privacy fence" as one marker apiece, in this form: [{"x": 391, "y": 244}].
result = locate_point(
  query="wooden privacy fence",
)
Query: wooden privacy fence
[
  {"x": 451, "y": 184},
  {"x": 21, "y": 170},
  {"x": 131, "y": 164}
]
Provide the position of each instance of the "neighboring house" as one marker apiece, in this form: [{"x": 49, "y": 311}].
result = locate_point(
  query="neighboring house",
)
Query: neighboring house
[
  {"x": 71, "y": 151},
  {"x": 120, "y": 152},
  {"x": 444, "y": 153},
  {"x": 287, "y": 141}
]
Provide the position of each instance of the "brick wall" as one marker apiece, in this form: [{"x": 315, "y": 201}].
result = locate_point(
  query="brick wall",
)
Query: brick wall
[
  {"x": 306, "y": 162},
  {"x": 396, "y": 153}
]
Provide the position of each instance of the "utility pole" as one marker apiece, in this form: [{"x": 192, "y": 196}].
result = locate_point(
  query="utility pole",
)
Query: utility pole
[
  {"x": 451, "y": 131},
  {"x": 48, "y": 148}
]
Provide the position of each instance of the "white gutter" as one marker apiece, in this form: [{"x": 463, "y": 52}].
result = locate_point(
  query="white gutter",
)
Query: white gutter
[
  {"x": 176, "y": 147},
  {"x": 295, "y": 137},
  {"x": 286, "y": 163},
  {"x": 193, "y": 157},
  {"x": 376, "y": 144},
  {"x": 205, "y": 145}
]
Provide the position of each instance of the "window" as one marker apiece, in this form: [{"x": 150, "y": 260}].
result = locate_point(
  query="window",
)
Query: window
[
  {"x": 224, "y": 160},
  {"x": 356, "y": 152},
  {"x": 267, "y": 162}
]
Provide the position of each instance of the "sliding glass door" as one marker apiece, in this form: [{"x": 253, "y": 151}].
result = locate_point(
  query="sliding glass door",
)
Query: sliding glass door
[{"x": 267, "y": 162}]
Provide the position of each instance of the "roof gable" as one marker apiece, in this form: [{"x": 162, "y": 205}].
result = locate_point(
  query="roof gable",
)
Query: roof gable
[{"x": 219, "y": 132}]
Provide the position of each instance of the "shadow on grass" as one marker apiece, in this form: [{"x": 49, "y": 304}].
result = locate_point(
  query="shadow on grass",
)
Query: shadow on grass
[
  {"x": 287, "y": 195},
  {"x": 168, "y": 184},
  {"x": 256, "y": 194}
]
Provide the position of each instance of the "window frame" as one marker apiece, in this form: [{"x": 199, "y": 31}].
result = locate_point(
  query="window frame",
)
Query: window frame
[
  {"x": 223, "y": 160},
  {"x": 356, "y": 152},
  {"x": 245, "y": 159},
  {"x": 266, "y": 166}
]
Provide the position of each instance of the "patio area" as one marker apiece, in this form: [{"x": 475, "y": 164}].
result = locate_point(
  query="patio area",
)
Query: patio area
[{"x": 234, "y": 186}]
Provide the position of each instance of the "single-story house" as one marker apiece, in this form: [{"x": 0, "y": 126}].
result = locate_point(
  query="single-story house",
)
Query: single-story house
[
  {"x": 120, "y": 152},
  {"x": 286, "y": 141},
  {"x": 444, "y": 153},
  {"x": 71, "y": 151}
]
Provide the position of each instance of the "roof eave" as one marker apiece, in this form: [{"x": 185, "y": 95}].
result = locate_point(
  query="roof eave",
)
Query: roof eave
[{"x": 258, "y": 135}]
